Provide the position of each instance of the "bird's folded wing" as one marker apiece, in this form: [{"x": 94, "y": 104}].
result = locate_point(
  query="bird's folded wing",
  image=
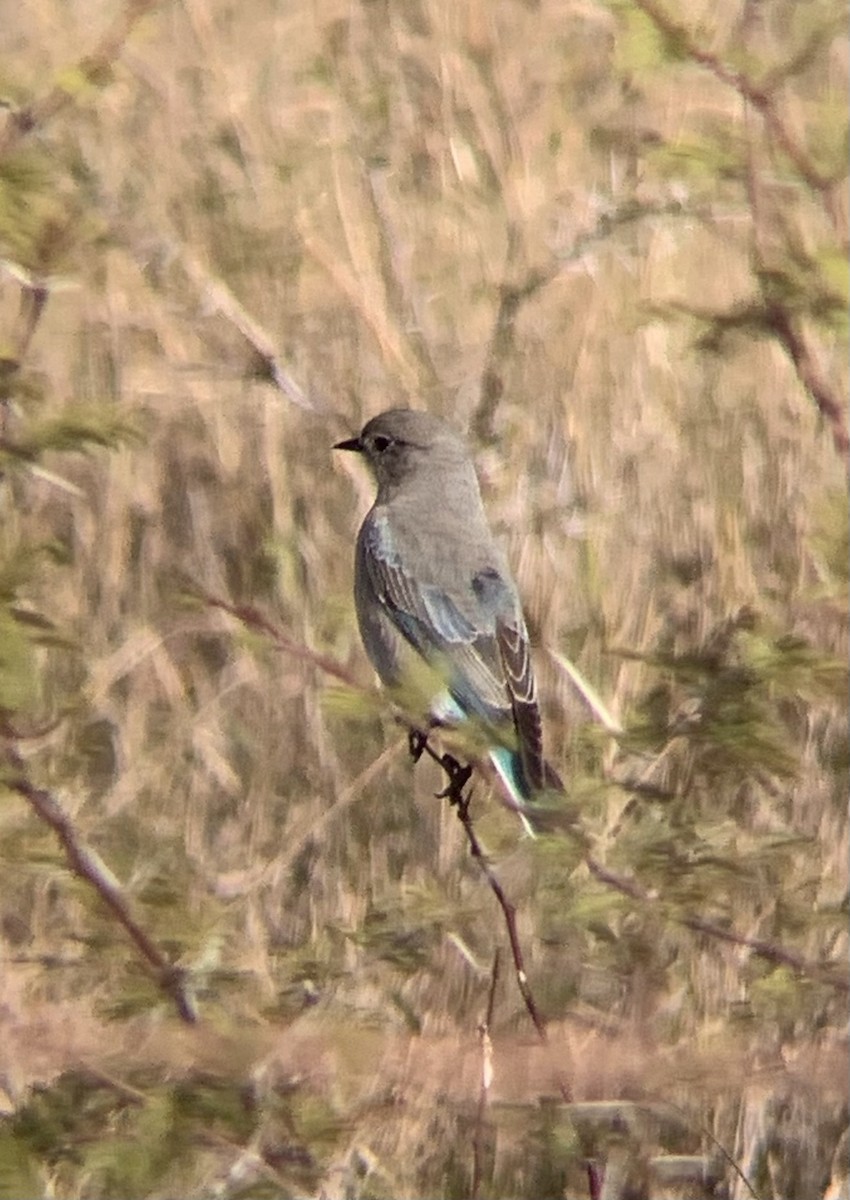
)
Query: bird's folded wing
[
  {"x": 460, "y": 640},
  {"x": 478, "y": 636},
  {"x": 512, "y": 640}
]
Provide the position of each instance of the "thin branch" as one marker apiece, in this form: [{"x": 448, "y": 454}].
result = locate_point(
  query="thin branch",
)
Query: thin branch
[
  {"x": 509, "y": 913},
  {"x": 254, "y": 619},
  {"x": 762, "y": 98},
  {"x": 87, "y": 864},
  {"x": 486, "y": 1079},
  {"x": 826, "y": 972},
  {"x": 458, "y": 777},
  {"x": 705, "y": 1131},
  {"x": 796, "y": 345},
  {"x": 588, "y": 693},
  {"x": 829, "y": 973},
  {"x": 33, "y": 299},
  {"x": 595, "y": 1179},
  {"x": 513, "y": 295},
  {"x": 218, "y": 297},
  {"x": 781, "y": 322},
  {"x": 91, "y": 70}
]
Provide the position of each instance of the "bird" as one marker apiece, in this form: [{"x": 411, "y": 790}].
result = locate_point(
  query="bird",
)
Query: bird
[{"x": 432, "y": 586}]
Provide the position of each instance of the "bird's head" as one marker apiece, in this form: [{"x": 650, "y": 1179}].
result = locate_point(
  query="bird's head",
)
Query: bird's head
[{"x": 403, "y": 445}]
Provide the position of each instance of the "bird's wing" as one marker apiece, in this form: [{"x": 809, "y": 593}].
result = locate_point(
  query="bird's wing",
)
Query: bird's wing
[
  {"x": 477, "y": 634},
  {"x": 512, "y": 640},
  {"x": 499, "y": 605},
  {"x": 457, "y": 634}
]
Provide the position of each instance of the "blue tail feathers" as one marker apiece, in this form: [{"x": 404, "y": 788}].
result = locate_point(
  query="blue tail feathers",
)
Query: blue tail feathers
[{"x": 509, "y": 768}]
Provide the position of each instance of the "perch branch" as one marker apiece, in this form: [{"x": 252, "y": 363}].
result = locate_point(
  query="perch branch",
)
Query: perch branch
[
  {"x": 458, "y": 776},
  {"x": 829, "y": 973}
]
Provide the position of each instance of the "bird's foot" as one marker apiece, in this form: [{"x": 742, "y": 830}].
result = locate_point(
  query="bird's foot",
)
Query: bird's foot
[
  {"x": 416, "y": 743},
  {"x": 459, "y": 776}
]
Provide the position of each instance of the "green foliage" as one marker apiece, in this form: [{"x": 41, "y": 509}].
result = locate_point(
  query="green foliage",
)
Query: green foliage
[
  {"x": 137, "y": 1139},
  {"x": 721, "y": 699},
  {"x": 831, "y": 544},
  {"x": 702, "y": 160},
  {"x": 33, "y": 220},
  {"x": 19, "y": 1170},
  {"x": 76, "y": 428},
  {"x": 146, "y": 1146},
  {"x": 24, "y": 630},
  {"x": 18, "y": 679},
  {"x": 642, "y": 48}
]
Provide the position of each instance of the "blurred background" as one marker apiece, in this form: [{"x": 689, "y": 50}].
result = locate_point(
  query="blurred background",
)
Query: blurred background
[{"x": 606, "y": 240}]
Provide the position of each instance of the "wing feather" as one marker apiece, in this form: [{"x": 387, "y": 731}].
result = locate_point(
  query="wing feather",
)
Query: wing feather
[
  {"x": 478, "y": 636},
  {"x": 516, "y": 658}
]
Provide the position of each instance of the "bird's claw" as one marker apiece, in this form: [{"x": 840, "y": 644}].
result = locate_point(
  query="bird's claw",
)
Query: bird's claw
[
  {"x": 459, "y": 776},
  {"x": 416, "y": 743}
]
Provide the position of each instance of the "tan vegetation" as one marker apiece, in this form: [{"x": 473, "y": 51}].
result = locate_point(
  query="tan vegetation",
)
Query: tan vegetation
[{"x": 610, "y": 241}]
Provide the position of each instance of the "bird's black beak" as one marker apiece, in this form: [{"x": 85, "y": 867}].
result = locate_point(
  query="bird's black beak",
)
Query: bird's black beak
[{"x": 350, "y": 444}]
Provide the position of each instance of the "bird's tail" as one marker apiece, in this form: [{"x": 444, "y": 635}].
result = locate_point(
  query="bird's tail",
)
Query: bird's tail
[{"x": 521, "y": 795}]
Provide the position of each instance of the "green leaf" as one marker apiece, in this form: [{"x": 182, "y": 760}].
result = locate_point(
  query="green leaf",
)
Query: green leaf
[
  {"x": 19, "y": 1174},
  {"x": 701, "y": 159},
  {"x": 78, "y": 427},
  {"x": 18, "y": 676},
  {"x": 641, "y": 47}
]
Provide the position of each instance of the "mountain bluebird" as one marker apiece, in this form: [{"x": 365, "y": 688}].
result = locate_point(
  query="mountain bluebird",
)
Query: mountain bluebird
[{"x": 430, "y": 581}]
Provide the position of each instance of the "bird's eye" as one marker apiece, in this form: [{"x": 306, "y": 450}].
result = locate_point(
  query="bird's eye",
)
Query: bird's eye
[{"x": 381, "y": 443}]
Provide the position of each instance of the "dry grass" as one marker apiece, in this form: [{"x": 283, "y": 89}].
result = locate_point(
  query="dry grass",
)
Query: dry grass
[{"x": 366, "y": 185}]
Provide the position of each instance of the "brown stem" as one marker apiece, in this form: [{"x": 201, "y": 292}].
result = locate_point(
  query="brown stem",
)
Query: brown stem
[
  {"x": 762, "y": 98},
  {"x": 92, "y": 68},
  {"x": 86, "y": 863},
  {"x": 763, "y": 949},
  {"x": 509, "y": 914},
  {"x": 513, "y": 295},
  {"x": 793, "y": 340},
  {"x": 826, "y": 972},
  {"x": 458, "y": 777},
  {"x": 784, "y": 325},
  {"x": 484, "y": 1030}
]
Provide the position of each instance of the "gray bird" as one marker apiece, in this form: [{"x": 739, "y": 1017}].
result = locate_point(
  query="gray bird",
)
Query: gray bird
[{"x": 430, "y": 581}]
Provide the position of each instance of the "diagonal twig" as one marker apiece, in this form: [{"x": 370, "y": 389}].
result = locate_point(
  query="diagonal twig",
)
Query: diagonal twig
[
  {"x": 762, "y": 98},
  {"x": 88, "y": 865},
  {"x": 486, "y": 1080},
  {"x": 827, "y": 972},
  {"x": 92, "y": 69},
  {"x": 458, "y": 776}
]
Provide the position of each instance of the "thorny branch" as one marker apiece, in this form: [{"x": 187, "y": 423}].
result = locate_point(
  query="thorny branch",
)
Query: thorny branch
[
  {"x": 83, "y": 860},
  {"x": 784, "y": 324},
  {"x": 513, "y": 295},
  {"x": 779, "y": 318},
  {"x": 458, "y": 777},
  {"x": 87, "y": 864},
  {"x": 827, "y": 972},
  {"x": 91, "y": 70},
  {"x": 761, "y": 97}
]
